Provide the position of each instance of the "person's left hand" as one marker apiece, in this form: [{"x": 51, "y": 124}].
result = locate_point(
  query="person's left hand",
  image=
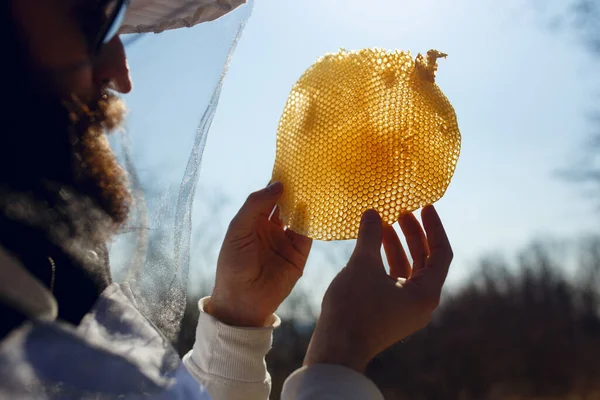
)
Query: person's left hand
[{"x": 259, "y": 263}]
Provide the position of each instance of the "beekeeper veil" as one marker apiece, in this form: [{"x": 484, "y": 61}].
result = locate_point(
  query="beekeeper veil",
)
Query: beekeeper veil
[{"x": 178, "y": 76}]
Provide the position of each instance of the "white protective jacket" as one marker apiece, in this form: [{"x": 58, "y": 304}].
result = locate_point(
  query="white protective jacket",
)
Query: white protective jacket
[{"x": 116, "y": 353}]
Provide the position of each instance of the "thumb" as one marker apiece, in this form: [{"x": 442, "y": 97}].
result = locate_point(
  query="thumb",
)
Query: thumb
[
  {"x": 370, "y": 235},
  {"x": 259, "y": 204}
]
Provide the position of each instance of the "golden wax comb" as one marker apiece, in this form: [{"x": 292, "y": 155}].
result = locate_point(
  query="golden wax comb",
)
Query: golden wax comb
[{"x": 364, "y": 129}]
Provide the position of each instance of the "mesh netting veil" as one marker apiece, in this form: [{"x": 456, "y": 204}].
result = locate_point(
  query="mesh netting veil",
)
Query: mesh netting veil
[{"x": 181, "y": 74}]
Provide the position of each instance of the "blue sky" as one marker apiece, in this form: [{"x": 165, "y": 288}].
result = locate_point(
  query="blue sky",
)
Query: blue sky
[{"x": 521, "y": 94}]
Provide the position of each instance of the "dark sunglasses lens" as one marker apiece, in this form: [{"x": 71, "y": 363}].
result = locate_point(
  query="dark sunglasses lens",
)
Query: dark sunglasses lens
[{"x": 115, "y": 12}]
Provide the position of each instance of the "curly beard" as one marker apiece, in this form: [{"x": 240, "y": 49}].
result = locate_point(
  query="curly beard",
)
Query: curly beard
[
  {"x": 96, "y": 172},
  {"x": 57, "y": 152}
]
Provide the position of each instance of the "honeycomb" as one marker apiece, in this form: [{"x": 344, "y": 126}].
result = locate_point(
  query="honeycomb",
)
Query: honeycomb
[{"x": 364, "y": 129}]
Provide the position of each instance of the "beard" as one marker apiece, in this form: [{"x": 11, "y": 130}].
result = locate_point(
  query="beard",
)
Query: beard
[
  {"x": 95, "y": 170},
  {"x": 56, "y": 151}
]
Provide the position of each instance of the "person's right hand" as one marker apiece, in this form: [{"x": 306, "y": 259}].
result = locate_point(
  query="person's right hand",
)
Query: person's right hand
[{"x": 366, "y": 310}]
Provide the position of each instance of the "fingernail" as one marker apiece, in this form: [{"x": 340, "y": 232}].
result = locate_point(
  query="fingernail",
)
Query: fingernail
[
  {"x": 370, "y": 216},
  {"x": 274, "y": 187}
]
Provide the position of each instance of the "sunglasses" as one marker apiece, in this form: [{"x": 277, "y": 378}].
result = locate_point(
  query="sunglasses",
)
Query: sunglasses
[{"x": 114, "y": 14}]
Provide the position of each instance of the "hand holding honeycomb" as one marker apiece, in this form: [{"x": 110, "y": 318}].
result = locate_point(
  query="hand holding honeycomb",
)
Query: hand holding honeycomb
[{"x": 364, "y": 129}]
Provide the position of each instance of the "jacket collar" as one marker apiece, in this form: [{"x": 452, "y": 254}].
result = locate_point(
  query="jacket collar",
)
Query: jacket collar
[{"x": 23, "y": 291}]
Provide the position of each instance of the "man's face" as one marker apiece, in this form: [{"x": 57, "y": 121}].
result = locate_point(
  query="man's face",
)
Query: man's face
[{"x": 69, "y": 84}]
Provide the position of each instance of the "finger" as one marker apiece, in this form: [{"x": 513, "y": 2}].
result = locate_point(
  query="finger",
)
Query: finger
[
  {"x": 259, "y": 204},
  {"x": 276, "y": 218},
  {"x": 370, "y": 236},
  {"x": 291, "y": 247},
  {"x": 301, "y": 243},
  {"x": 396, "y": 256},
  {"x": 440, "y": 255},
  {"x": 416, "y": 240}
]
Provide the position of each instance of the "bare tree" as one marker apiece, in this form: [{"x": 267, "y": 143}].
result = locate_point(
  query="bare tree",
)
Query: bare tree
[
  {"x": 586, "y": 21},
  {"x": 582, "y": 18},
  {"x": 585, "y": 15}
]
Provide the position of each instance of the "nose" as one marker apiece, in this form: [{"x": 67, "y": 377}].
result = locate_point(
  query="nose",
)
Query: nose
[{"x": 111, "y": 68}]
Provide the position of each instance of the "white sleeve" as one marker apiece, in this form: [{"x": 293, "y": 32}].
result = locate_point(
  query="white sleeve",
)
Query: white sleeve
[
  {"x": 329, "y": 382},
  {"x": 229, "y": 361}
]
